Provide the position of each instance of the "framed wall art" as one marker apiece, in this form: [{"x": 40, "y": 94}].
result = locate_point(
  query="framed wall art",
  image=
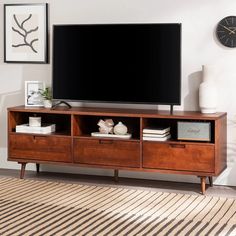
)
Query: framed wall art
[
  {"x": 33, "y": 91},
  {"x": 26, "y": 33}
]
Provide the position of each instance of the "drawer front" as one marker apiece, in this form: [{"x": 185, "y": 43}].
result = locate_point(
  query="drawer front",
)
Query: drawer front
[
  {"x": 45, "y": 148},
  {"x": 107, "y": 152},
  {"x": 188, "y": 157}
]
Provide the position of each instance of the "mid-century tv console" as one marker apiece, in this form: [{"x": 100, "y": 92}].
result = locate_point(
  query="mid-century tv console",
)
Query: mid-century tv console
[{"x": 72, "y": 143}]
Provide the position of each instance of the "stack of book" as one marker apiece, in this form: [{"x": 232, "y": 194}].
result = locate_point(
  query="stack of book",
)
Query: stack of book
[
  {"x": 156, "y": 133},
  {"x": 43, "y": 129}
]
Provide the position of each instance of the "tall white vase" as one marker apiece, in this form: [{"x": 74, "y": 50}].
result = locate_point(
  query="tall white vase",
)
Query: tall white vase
[{"x": 208, "y": 90}]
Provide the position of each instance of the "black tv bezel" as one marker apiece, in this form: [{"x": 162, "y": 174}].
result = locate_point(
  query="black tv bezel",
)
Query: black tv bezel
[{"x": 119, "y": 102}]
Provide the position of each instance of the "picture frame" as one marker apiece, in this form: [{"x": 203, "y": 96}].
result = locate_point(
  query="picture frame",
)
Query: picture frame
[
  {"x": 33, "y": 97},
  {"x": 26, "y": 33}
]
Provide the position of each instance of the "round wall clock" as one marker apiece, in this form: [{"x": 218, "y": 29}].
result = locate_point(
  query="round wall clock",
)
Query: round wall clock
[{"x": 226, "y": 31}]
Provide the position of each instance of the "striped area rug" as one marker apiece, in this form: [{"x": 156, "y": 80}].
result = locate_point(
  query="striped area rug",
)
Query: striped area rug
[{"x": 29, "y": 207}]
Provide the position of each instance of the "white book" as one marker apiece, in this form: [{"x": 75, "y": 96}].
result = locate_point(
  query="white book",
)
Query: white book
[
  {"x": 157, "y": 139},
  {"x": 43, "y": 129},
  {"x": 156, "y": 130},
  {"x": 156, "y": 135}
]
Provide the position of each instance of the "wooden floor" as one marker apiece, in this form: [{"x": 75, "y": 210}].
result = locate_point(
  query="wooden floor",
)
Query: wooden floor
[{"x": 188, "y": 188}]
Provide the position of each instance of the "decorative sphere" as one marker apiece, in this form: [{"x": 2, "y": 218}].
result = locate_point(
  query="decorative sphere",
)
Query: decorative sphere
[{"x": 120, "y": 129}]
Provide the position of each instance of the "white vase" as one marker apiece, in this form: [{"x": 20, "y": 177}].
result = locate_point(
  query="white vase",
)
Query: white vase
[
  {"x": 208, "y": 90},
  {"x": 120, "y": 129},
  {"x": 47, "y": 103}
]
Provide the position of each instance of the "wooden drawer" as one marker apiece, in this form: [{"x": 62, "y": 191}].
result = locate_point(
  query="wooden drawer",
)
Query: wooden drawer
[
  {"x": 36, "y": 147},
  {"x": 188, "y": 157},
  {"x": 107, "y": 152}
]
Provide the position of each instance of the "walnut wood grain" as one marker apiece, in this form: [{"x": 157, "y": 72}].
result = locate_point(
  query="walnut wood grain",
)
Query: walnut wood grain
[
  {"x": 178, "y": 156},
  {"x": 221, "y": 145},
  {"x": 40, "y": 147},
  {"x": 106, "y": 152}
]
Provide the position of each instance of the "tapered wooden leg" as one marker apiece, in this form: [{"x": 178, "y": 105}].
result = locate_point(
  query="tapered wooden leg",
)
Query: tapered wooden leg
[
  {"x": 116, "y": 175},
  {"x": 22, "y": 171},
  {"x": 203, "y": 184},
  {"x": 37, "y": 167},
  {"x": 210, "y": 181}
]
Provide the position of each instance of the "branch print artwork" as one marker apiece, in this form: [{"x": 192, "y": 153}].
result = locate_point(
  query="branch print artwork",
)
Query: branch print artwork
[{"x": 25, "y": 33}]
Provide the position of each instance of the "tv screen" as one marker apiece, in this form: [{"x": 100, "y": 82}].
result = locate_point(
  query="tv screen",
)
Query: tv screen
[{"x": 124, "y": 63}]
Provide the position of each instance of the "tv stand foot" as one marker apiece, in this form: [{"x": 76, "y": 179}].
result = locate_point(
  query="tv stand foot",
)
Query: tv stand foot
[
  {"x": 116, "y": 175},
  {"x": 22, "y": 170},
  {"x": 59, "y": 103},
  {"x": 203, "y": 184},
  {"x": 210, "y": 181},
  {"x": 37, "y": 167}
]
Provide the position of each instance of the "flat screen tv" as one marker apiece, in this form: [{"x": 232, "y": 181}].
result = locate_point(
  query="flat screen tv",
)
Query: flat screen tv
[{"x": 123, "y": 63}]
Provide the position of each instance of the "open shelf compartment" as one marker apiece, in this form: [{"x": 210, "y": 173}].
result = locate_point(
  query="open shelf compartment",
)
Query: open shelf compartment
[
  {"x": 84, "y": 125},
  {"x": 62, "y": 121},
  {"x": 173, "y": 123}
]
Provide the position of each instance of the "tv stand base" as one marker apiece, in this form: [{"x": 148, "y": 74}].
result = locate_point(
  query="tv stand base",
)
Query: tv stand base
[{"x": 61, "y": 102}]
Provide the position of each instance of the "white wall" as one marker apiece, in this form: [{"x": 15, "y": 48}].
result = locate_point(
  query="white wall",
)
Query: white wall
[{"x": 199, "y": 46}]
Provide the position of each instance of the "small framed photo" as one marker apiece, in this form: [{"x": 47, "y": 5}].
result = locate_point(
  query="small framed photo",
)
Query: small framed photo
[
  {"x": 33, "y": 95},
  {"x": 26, "y": 33}
]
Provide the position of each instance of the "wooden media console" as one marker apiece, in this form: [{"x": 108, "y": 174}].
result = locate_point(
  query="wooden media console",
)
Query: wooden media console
[{"x": 72, "y": 143}]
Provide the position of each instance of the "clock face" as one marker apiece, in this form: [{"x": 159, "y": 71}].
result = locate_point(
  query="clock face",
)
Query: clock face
[{"x": 226, "y": 31}]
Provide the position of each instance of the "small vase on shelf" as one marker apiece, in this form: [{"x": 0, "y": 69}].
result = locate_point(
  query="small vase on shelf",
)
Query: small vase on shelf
[
  {"x": 47, "y": 97},
  {"x": 120, "y": 129},
  {"x": 47, "y": 103},
  {"x": 208, "y": 90}
]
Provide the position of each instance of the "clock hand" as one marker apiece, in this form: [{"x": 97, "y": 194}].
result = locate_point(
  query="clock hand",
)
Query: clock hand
[{"x": 231, "y": 31}]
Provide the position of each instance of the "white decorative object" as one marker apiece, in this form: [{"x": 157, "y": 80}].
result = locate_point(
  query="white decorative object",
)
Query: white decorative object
[
  {"x": 106, "y": 127},
  {"x": 208, "y": 90},
  {"x": 120, "y": 129},
  {"x": 47, "y": 103},
  {"x": 43, "y": 129},
  {"x": 34, "y": 121}
]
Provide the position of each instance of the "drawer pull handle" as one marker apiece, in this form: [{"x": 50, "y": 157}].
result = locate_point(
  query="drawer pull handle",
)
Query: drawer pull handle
[
  {"x": 177, "y": 145},
  {"x": 105, "y": 142},
  {"x": 39, "y": 136}
]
